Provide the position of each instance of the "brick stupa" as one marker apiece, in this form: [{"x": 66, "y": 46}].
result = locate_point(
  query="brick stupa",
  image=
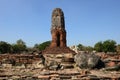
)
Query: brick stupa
[{"x": 58, "y": 32}]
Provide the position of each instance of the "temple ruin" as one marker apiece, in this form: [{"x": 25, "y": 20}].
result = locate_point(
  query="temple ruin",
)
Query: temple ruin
[
  {"x": 58, "y": 29},
  {"x": 58, "y": 33},
  {"x": 57, "y": 62}
]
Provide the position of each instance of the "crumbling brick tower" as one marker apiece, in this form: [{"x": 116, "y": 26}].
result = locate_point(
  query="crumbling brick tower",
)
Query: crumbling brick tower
[{"x": 58, "y": 31}]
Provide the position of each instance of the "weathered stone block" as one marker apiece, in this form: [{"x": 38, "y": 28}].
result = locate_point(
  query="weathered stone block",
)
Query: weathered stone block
[{"x": 86, "y": 60}]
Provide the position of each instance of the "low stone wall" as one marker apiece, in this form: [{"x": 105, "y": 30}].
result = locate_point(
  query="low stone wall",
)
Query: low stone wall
[
  {"x": 59, "y": 61},
  {"x": 55, "y": 67},
  {"x": 18, "y": 59},
  {"x": 110, "y": 60}
]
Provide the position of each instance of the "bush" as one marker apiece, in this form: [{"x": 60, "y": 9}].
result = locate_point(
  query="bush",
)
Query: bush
[
  {"x": 106, "y": 46},
  {"x": 5, "y": 47},
  {"x": 43, "y": 45},
  {"x": 98, "y": 46},
  {"x": 85, "y": 48},
  {"x": 109, "y": 46},
  {"x": 19, "y": 46}
]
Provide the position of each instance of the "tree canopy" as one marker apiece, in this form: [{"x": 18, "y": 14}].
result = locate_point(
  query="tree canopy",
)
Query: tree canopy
[
  {"x": 98, "y": 46},
  {"x": 43, "y": 45},
  {"x": 85, "y": 48},
  {"x": 19, "y": 46},
  {"x": 105, "y": 46},
  {"x": 5, "y": 47}
]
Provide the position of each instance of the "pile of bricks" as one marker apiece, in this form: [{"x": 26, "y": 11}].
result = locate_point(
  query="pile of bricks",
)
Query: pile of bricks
[
  {"x": 66, "y": 74},
  {"x": 66, "y": 60},
  {"x": 18, "y": 58}
]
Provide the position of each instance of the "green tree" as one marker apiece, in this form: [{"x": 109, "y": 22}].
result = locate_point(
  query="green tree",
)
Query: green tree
[
  {"x": 81, "y": 47},
  {"x": 85, "y": 48},
  {"x": 89, "y": 48},
  {"x": 36, "y": 46},
  {"x": 106, "y": 46},
  {"x": 43, "y": 45},
  {"x": 98, "y": 46},
  {"x": 5, "y": 47},
  {"x": 19, "y": 47},
  {"x": 109, "y": 46},
  {"x": 20, "y": 42}
]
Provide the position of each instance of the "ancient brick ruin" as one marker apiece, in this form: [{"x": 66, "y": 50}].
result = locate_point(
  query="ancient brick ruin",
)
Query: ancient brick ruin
[
  {"x": 58, "y": 29},
  {"x": 58, "y": 62},
  {"x": 58, "y": 32}
]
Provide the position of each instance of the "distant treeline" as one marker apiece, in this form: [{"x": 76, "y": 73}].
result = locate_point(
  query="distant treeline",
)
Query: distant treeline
[
  {"x": 20, "y": 47},
  {"x": 102, "y": 46}
]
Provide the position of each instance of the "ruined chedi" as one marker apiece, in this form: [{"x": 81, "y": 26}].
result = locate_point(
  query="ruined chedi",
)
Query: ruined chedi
[{"x": 58, "y": 31}]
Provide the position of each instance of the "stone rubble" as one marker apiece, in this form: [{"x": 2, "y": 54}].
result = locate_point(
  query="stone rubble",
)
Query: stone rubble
[
  {"x": 55, "y": 67},
  {"x": 87, "y": 60},
  {"x": 66, "y": 74}
]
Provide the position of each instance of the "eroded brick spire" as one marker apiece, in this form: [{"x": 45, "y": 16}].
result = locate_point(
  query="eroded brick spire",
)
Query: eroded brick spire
[{"x": 58, "y": 31}]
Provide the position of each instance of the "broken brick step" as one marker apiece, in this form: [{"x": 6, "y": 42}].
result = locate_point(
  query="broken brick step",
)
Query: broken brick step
[
  {"x": 69, "y": 74},
  {"x": 68, "y": 60},
  {"x": 68, "y": 66},
  {"x": 65, "y": 77},
  {"x": 110, "y": 78},
  {"x": 54, "y": 75},
  {"x": 3, "y": 78},
  {"x": 3, "y": 75},
  {"x": 43, "y": 77}
]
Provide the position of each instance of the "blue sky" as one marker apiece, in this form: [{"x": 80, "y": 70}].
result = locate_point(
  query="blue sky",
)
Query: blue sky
[{"x": 86, "y": 21}]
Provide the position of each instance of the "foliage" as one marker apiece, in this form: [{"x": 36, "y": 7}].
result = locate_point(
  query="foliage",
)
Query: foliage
[
  {"x": 19, "y": 46},
  {"x": 89, "y": 48},
  {"x": 98, "y": 46},
  {"x": 5, "y": 47},
  {"x": 106, "y": 46},
  {"x": 80, "y": 47},
  {"x": 20, "y": 42},
  {"x": 85, "y": 48},
  {"x": 109, "y": 46},
  {"x": 43, "y": 45}
]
